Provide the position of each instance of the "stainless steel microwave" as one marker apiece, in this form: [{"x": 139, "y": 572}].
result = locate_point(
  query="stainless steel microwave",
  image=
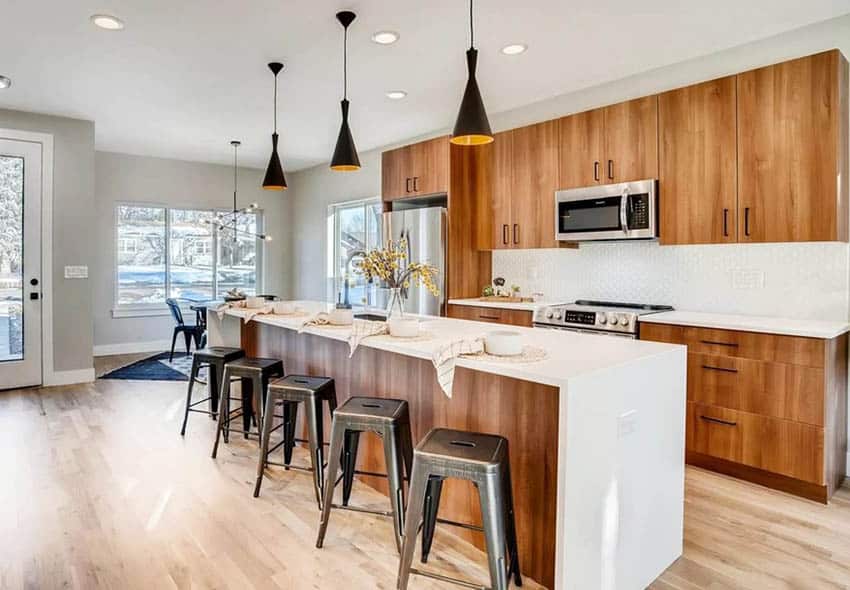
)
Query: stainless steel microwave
[{"x": 625, "y": 211}]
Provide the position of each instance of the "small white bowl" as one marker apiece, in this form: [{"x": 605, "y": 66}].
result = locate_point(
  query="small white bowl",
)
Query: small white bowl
[
  {"x": 283, "y": 307},
  {"x": 403, "y": 327},
  {"x": 341, "y": 317},
  {"x": 255, "y": 302},
  {"x": 503, "y": 343}
]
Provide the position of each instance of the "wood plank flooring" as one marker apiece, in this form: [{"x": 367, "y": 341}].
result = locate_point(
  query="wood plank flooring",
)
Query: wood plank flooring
[{"x": 100, "y": 491}]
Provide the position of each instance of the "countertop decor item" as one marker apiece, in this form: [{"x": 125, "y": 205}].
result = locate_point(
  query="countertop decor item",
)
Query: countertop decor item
[
  {"x": 391, "y": 266},
  {"x": 345, "y": 158},
  {"x": 471, "y": 126},
  {"x": 229, "y": 221},
  {"x": 274, "y": 179},
  {"x": 401, "y": 327},
  {"x": 503, "y": 343}
]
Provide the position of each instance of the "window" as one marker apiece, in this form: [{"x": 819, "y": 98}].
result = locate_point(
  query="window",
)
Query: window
[
  {"x": 352, "y": 227},
  {"x": 162, "y": 252}
]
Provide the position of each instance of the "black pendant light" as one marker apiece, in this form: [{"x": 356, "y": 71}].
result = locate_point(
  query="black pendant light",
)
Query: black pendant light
[
  {"x": 345, "y": 157},
  {"x": 275, "y": 180},
  {"x": 472, "y": 126}
]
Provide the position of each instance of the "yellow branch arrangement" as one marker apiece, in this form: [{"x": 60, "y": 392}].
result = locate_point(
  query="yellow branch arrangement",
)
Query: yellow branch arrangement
[{"x": 390, "y": 265}]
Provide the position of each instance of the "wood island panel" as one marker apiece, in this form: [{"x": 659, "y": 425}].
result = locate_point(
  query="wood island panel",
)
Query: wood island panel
[{"x": 525, "y": 413}]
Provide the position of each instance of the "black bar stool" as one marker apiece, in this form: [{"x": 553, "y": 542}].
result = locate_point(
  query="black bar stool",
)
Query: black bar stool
[
  {"x": 255, "y": 374},
  {"x": 389, "y": 419},
  {"x": 290, "y": 391},
  {"x": 482, "y": 459},
  {"x": 213, "y": 357}
]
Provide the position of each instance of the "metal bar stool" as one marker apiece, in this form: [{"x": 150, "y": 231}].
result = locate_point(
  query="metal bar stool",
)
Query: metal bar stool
[
  {"x": 482, "y": 459},
  {"x": 389, "y": 419},
  {"x": 213, "y": 357},
  {"x": 255, "y": 374},
  {"x": 290, "y": 391}
]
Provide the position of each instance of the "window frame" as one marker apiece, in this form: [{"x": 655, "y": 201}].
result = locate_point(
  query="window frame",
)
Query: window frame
[
  {"x": 333, "y": 243},
  {"x": 160, "y": 308}
]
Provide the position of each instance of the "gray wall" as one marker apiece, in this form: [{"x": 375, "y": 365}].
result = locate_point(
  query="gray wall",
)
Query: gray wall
[
  {"x": 73, "y": 240},
  {"x": 121, "y": 177}
]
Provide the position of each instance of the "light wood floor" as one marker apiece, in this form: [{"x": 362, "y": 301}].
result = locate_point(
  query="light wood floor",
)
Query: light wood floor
[{"x": 100, "y": 491}]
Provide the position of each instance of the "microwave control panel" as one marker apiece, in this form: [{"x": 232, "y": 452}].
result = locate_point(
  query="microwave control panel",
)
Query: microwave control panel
[{"x": 638, "y": 211}]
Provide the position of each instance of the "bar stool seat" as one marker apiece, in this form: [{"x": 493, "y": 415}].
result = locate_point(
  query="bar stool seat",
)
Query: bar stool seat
[
  {"x": 389, "y": 419},
  {"x": 255, "y": 374},
  {"x": 214, "y": 358},
  {"x": 482, "y": 459},
  {"x": 291, "y": 391}
]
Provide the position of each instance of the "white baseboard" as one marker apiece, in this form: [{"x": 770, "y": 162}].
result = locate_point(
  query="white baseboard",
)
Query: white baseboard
[
  {"x": 134, "y": 347},
  {"x": 69, "y": 377}
]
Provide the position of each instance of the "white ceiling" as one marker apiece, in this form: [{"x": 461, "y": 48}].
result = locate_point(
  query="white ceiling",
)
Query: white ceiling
[{"x": 186, "y": 76}]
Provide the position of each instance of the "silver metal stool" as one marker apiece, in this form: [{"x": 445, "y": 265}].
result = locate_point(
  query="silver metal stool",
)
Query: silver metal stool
[
  {"x": 482, "y": 459},
  {"x": 389, "y": 419},
  {"x": 290, "y": 391},
  {"x": 255, "y": 374},
  {"x": 214, "y": 358}
]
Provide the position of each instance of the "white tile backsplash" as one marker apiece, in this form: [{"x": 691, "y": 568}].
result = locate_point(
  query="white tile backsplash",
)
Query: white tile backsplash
[{"x": 805, "y": 280}]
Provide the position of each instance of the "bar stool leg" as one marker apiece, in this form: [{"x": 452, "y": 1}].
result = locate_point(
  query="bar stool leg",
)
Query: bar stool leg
[
  {"x": 290, "y": 414},
  {"x": 268, "y": 419},
  {"x": 395, "y": 479},
  {"x": 429, "y": 518},
  {"x": 223, "y": 413},
  {"x": 413, "y": 516},
  {"x": 493, "y": 517},
  {"x": 215, "y": 371},
  {"x": 510, "y": 520},
  {"x": 193, "y": 374},
  {"x": 255, "y": 411},
  {"x": 349, "y": 463},
  {"x": 246, "y": 393},
  {"x": 337, "y": 441},
  {"x": 315, "y": 438}
]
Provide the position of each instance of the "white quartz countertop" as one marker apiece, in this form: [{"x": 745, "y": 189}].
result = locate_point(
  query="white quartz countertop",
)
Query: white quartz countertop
[
  {"x": 748, "y": 323},
  {"x": 569, "y": 354},
  {"x": 523, "y": 306}
]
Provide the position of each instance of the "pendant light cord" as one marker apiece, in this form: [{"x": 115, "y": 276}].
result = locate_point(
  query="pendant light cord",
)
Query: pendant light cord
[
  {"x": 235, "y": 227},
  {"x": 275, "y": 103},
  {"x": 345, "y": 64},
  {"x": 471, "y": 29}
]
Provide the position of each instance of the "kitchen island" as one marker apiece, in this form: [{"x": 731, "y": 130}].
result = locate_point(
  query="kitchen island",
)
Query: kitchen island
[{"x": 596, "y": 433}]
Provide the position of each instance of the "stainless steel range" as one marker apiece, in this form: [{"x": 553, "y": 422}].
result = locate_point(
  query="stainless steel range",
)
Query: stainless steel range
[{"x": 596, "y": 317}]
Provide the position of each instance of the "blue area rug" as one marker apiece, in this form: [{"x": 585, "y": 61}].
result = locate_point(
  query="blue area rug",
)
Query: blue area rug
[{"x": 154, "y": 368}]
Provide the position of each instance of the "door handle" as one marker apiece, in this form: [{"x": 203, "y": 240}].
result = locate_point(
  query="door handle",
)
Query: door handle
[
  {"x": 516, "y": 233},
  {"x": 505, "y": 234},
  {"x": 726, "y": 222},
  {"x": 596, "y": 170},
  {"x": 746, "y": 221},
  {"x": 624, "y": 214},
  {"x": 611, "y": 169},
  {"x": 716, "y": 343},
  {"x": 718, "y": 421},
  {"x": 724, "y": 369},
  {"x": 407, "y": 184},
  {"x": 415, "y": 188}
]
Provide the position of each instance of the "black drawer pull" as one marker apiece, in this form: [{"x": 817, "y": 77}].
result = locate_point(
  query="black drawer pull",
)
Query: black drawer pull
[
  {"x": 489, "y": 317},
  {"x": 718, "y": 421},
  {"x": 715, "y": 342},
  {"x": 720, "y": 369}
]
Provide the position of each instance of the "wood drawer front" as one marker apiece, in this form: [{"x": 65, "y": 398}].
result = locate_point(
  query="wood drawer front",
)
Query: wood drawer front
[
  {"x": 515, "y": 317},
  {"x": 794, "y": 350},
  {"x": 771, "y": 444},
  {"x": 777, "y": 390}
]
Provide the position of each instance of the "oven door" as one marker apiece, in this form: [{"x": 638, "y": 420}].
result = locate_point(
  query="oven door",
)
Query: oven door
[
  {"x": 585, "y": 331},
  {"x": 625, "y": 211}
]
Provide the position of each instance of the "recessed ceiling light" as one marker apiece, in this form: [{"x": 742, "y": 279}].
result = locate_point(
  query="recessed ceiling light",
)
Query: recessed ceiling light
[
  {"x": 385, "y": 37},
  {"x": 396, "y": 94},
  {"x": 5, "y": 82},
  {"x": 107, "y": 21},
  {"x": 514, "y": 49}
]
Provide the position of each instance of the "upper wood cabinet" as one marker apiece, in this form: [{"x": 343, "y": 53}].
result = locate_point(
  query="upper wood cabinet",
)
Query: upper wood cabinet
[
  {"x": 501, "y": 189},
  {"x": 792, "y": 151},
  {"x": 416, "y": 170},
  {"x": 581, "y": 143},
  {"x": 697, "y": 164}
]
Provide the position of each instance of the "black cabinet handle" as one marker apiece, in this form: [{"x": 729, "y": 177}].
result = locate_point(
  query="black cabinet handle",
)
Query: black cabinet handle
[
  {"x": 407, "y": 184},
  {"x": 718, "y": 421},
  {"x": 505, "y": 234},
  {"x": 415, "y": 188},
  {"x": 489, "y": 317},
  {"x": 516, "y": 233},
  {"x": 726, "y": 222},
  {"x": 719, "y": 343},
  {"x": 611, "y": 169},
  {"x": 596, "y": 170},
  {"x": 746, "y": 221},
  {"x": 724, "y": 369}
]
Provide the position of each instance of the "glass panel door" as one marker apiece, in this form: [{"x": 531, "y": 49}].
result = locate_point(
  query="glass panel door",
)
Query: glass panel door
[{"x": 11, "y": 258}]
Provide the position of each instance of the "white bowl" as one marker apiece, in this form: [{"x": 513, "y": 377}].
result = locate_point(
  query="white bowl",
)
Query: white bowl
[
  {"x": 283, "y": 307},
  {"x": 341, "y": 317},
  {"x": 255, "y": 302},
  {"x": 403, "y": 327},
  {"x": 503, "y": 343}
]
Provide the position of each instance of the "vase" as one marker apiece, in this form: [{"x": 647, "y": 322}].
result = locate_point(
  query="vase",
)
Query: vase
[{"x": 395, "y": 306}]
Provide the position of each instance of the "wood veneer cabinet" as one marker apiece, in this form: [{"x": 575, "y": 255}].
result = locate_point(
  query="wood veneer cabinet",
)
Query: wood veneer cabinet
[
  {"x": 767, "y": 408},
  {"x": 697, "y": 173},
  {"x": 792, "y": 150},
  {"x": 514, "y": 317},
  {"x": 415, "y": 170}
]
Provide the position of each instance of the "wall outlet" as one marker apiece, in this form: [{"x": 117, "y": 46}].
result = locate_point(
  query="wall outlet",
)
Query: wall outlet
[
  {"x": 627, "y": 424},
  {"x": 76, "y": 272},
  {"x": 747, "y": 279}
]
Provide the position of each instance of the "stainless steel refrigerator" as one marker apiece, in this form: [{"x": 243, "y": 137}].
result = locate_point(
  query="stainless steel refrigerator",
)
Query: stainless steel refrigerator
[{"x": 425, "y": 231}]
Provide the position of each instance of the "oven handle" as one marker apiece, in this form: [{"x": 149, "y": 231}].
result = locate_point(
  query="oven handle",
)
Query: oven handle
[{"x": 624, "y": 203}]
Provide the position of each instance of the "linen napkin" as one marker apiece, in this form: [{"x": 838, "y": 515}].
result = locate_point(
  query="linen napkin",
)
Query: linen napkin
[
  {"x": 251, "y": 312},
  {"x": 319, "y": 319},
  {"x": 364, "y": 329},
  {"x": 445, "y": 357}
]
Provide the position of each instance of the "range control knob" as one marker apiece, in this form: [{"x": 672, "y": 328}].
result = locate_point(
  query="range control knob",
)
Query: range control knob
[
  {"x": 602, "y": 319},
  {"x": 624, "y": 319},
  {"x": 549, "y": 315},
  {"x": 557, "y": 315},
  {"x": 612, "y": 319}
]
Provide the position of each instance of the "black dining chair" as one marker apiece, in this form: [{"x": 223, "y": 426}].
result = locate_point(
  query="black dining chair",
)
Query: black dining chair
[{"x": 190, "y": 332}]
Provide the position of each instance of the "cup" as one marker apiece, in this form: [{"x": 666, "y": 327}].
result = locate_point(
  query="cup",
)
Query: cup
[
  {"x": 341, "y": 317},
  {"x": 283, "y": 307},
  {"x": 255, "y": 302},
  {"x": 503, "y": 343},
  {"x": 403, "y": 327}
]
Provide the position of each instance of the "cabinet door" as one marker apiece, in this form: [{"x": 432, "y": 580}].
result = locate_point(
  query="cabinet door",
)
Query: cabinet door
[
  {"x": 697, "y": 164},
  {"x": 790, "y": 151},
  {"x": 429, "y": 166},
  {"x": 395, "y": 177},
  {"x": 501, "y": 189},
  {"x": 631, "y": 140},
  {"x": 580, "y": 139},
  {"x": 534, "y": 182}
]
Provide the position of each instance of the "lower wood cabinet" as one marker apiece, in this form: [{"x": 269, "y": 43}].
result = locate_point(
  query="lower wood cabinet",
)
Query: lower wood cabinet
[
  {"x": 514, "y": 317},
  {"x": 768, "y": 408}
]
